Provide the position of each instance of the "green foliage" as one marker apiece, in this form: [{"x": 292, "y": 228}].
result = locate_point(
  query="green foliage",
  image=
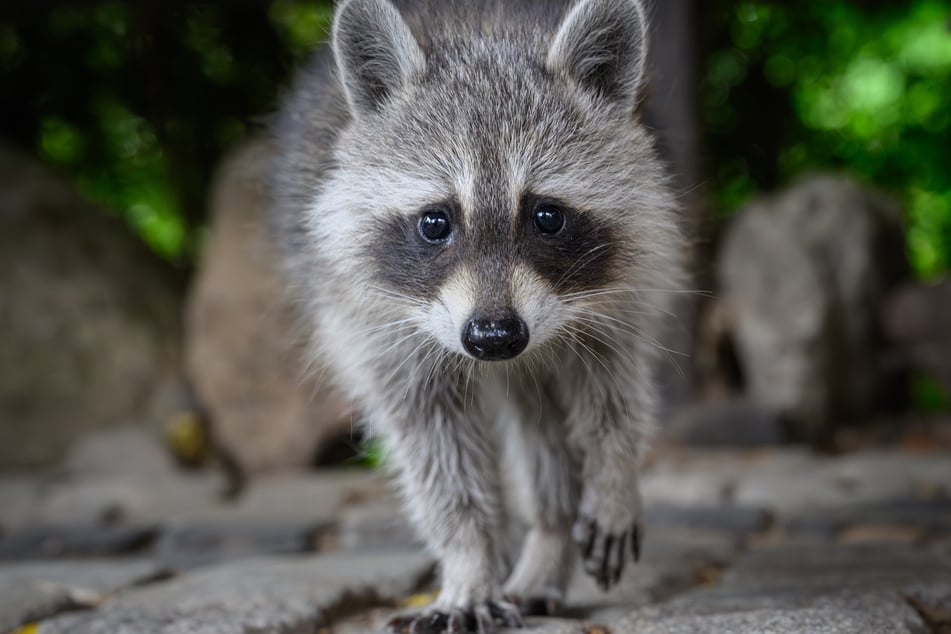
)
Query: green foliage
[
  {"x": 374, "y": 454},
  {"x": 929, "y": 395},
  {"x": 134, "y": 178},
  {"x": 137, "y": 101},
  {"x": 130, "y": 173},
  {"x": 811, "y": 85},
  {"x": 302, "y": 25}
]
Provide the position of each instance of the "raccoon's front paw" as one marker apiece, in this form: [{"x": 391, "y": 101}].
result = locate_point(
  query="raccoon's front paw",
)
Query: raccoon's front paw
[
  {"x": 480, "y": 618},
  {"x": 604, "y": 551}
]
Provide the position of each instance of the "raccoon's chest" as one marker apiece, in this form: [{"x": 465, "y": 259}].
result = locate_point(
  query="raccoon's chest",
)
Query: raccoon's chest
[{"x": 524, "y": 394}]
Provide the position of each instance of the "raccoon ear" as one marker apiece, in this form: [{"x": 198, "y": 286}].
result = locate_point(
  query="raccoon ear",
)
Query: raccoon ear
[
  {"x": 601, "y": 45},
  {"x": 375, "y": 52}
]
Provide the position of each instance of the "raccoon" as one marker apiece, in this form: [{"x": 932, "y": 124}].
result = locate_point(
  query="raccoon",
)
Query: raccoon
[{"x": 483, "y": 239}]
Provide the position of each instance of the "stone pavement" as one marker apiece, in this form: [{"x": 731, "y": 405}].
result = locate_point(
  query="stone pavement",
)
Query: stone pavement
[{"x": 771, "y": 540}]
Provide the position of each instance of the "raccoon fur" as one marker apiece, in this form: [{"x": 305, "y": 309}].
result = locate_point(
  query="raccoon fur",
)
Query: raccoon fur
[{"x": 484, "y": 242}]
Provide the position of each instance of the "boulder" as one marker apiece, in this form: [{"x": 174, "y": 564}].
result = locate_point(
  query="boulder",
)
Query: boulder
[
  {"x": 917, "y": 318},
  {"x": 269, "y": 406},
  {"x": 802, "y": 277},
  {"x": 89, "y": 320}
]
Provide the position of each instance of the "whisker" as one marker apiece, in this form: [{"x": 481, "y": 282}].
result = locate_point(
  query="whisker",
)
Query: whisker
[
  {"x": 616, "y": 306},
  {"x": 399, "y": 322},
  {"x": 634, "y": 291},
  {"x": 582, "y": 262},
  {"x": 377, "y": 356},
  {"x": 594, "y": 323},
  {"x": 596, "y": 317},
  {"x": 403, "y": 362}
]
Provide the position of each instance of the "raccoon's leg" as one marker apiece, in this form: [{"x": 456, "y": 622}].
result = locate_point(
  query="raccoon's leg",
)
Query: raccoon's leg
[
  {"x": 547, "y": 476},
  {"x": 608, "y": 530},
  {"x": 450, "y": 481},
  {"x": 611, "y": 425}
]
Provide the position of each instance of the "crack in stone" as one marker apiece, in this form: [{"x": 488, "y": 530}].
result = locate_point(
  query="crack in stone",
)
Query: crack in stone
[
  {"x": 354, "y": 603},
  {"x": 937, "y": 619}
]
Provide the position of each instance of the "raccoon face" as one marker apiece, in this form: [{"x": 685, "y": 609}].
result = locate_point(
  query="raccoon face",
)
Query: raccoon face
[
  {"x": 499, "y": 171},
  {"x": 492, "y": 279}
]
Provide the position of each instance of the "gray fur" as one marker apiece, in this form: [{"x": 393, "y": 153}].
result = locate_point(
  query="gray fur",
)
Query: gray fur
[{"x": 488, "y": 108}]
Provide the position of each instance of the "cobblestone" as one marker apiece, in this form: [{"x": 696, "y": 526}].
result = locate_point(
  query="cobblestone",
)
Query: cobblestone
[
  {"x": 766, "y": 540},
  {"x": 254, "y": 595},
  {"x": 36, "y": 590}
]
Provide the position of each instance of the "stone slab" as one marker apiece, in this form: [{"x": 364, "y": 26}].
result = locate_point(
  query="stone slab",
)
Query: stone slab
[
  {"x": 31, "y": 591},
  {"x": 929, "y": 516},
  {"x": 837, "y": 565},
  {"x": 273, "y": 594},
  {"x": 189, "y": 546},
  {"x": 672, "y": 562},
  {"x": 933, "y": 604},
  {"x": 792, "y": 481},
  {"x": 19, "y": 499},
  {"x": 737, "y": 520},
  {"x": 192, "y": 498},
  {"x": 866, "y": 614},
  {"x": 47, "y": 542},
  {"x": 380, "y": 523}
]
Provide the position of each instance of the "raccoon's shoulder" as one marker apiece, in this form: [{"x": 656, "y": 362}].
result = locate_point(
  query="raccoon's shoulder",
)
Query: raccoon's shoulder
[
  {"x": 314, "y": 102},
  {"x": 304, "y": 129}
]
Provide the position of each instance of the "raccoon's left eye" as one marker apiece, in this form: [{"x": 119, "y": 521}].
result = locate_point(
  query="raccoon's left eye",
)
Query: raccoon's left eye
[
  {"x": 434, "y": 226},
  {"x": 549, "y": 220}
]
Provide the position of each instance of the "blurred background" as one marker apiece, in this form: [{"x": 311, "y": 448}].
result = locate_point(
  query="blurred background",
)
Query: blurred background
[{"x": 810, "y": 142}]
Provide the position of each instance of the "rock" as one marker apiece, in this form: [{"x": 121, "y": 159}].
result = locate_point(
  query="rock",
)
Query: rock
[
  {"x": 916, "y": 320},
  {"x": 762, "y": 540},
  {"x": 376, "y": 524},
  {"x": 791, "y": 482},
  {"x": 672, "y": 561},
  {"x": 802, "y": 278},
  {"x": 20, "y": 497},
  {"x": 89, "y": 320},
  {"x": 128, "y": 500},
  {"x": 552, "y": 625},
  {"x": 933, "y": 603},
  {"x": 117, "y": 453},
  {"x": 294, "y": 498},
  {"x": 190, "y": 546},
  {"x": 44, "y": 542},
  {"x": 824, "y": 567},
  {"x": 34, "y": 591},
  {"x": 919, "y": 312},
  {"x": 741, "y": 521},
  {"x": 726, "y": 423},
  {"x": 806, "y": 588},
  {"x": 273, "y": 594},
  {"x": 824, "y": 482},
  {"x": 195, "y": 498},
  {"x": 869, "y": 614},
  {"x": 921, "y": 518},
  {"x": 269, "y": 405}
]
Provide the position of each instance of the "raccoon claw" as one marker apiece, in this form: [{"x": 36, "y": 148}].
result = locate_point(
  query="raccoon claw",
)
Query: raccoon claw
[
  {"x": 478, "y": 619},
  {"x": 506, "y": 613},
  {"x": 605, "y": 554}
]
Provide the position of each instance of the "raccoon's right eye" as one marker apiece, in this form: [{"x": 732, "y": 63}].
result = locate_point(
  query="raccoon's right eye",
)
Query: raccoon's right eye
[
  {"x": 549, "y": 220},
  {"x": 434, "y": 226}
]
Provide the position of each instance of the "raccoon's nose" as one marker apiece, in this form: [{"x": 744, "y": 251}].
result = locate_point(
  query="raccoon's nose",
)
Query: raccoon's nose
[{"x": 495, "y": 339}]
